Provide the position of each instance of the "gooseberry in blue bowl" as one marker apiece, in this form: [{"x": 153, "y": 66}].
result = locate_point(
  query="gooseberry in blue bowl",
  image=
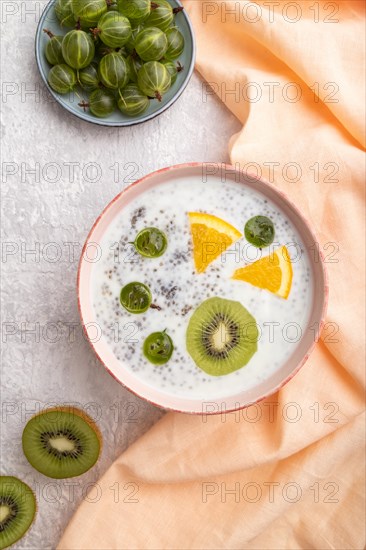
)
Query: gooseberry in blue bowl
[{"x": 73, "y": 74}]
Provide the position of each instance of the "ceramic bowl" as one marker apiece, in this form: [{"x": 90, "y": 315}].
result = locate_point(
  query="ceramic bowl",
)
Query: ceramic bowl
[
  {"x": 70, "y": 101},
  {"x": 242, "y": 397}
]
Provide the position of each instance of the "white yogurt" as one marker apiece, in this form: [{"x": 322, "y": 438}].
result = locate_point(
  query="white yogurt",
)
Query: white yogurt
[{"x": 178, "y": 290}]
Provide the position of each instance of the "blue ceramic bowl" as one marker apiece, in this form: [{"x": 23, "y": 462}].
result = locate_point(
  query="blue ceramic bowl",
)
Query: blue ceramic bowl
[{"x": 70, "y": 101}]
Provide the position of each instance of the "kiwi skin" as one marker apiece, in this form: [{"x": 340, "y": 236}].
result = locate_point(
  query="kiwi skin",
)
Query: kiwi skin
[
  {"x": 26, "y": 498},
  {"x": 63, "y": 472}
]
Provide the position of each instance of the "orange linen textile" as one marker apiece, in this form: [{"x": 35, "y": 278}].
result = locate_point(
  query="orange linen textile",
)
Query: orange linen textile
[{"x": 288, "y": 473}]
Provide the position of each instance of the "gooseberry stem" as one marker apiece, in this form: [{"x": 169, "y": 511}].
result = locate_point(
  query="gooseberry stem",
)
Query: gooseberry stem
[
  {"x": 158, "y": 96},
  {"x": 155, "y": 306},
  {"x": 78, "y": 25},
  {"x": 154, "y": 5},
  {"x": 49, "y": 33},
  {"x": 180, "y": 67},
  {"x": 95, "y": 32},
  {"x": 84, "y": 105}
]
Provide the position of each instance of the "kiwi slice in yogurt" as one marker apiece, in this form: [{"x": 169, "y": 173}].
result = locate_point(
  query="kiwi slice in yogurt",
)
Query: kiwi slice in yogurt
[{"x": 221, "y": 336}]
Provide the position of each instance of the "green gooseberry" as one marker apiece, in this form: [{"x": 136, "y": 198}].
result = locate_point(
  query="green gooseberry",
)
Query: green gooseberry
[
  {"x": 173, "y": 69},
  {"x": 158, "y": 348},
  {"x": 154, "y": 79},
  {"x": 151, "y": 44},
  {"x": 53, "y": 50},
  {"x": 161, "y": 15},
  {"x": 135, "y": 10},
  {"x": 134, "y": 65},
  {"x": 136, "y": 297},
  {"x": 175, "y": 43},
  {"x": 151, "y": 242},
  {"x": 102, "y": 103},
  {"x": 259, "y": 231},
  {"x": 113, "y": 29},
  {"x": 132, "y": 101},
  {"x": 78, "y": 49},
  {"x": 89, "y": 77},
  {"x": 62, "y": 78},
  {"x": 113, "y": 71},
  {"x": 130, "y": 44},
  {"x": 64, "y": 13},
  {"x": 88, "y": 12}
]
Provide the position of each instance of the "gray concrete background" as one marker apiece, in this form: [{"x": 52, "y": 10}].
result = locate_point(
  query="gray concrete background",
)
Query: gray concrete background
[{"x": 58, "y": 173}]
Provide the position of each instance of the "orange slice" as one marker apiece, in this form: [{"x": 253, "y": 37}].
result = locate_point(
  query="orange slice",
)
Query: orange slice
[
  {"x": 211, "y": 237},
  {"x": 273, "y": 273}
]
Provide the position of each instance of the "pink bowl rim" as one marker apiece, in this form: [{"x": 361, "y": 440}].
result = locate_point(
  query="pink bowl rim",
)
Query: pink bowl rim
[{"x": 284, "y": 197}]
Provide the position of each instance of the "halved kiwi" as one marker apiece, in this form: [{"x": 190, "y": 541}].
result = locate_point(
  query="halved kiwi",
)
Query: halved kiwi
[
  {"x": 61, "y": 442},
  {"x": 17, "y": 510},
  {"x": 221, "y": 336}
]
